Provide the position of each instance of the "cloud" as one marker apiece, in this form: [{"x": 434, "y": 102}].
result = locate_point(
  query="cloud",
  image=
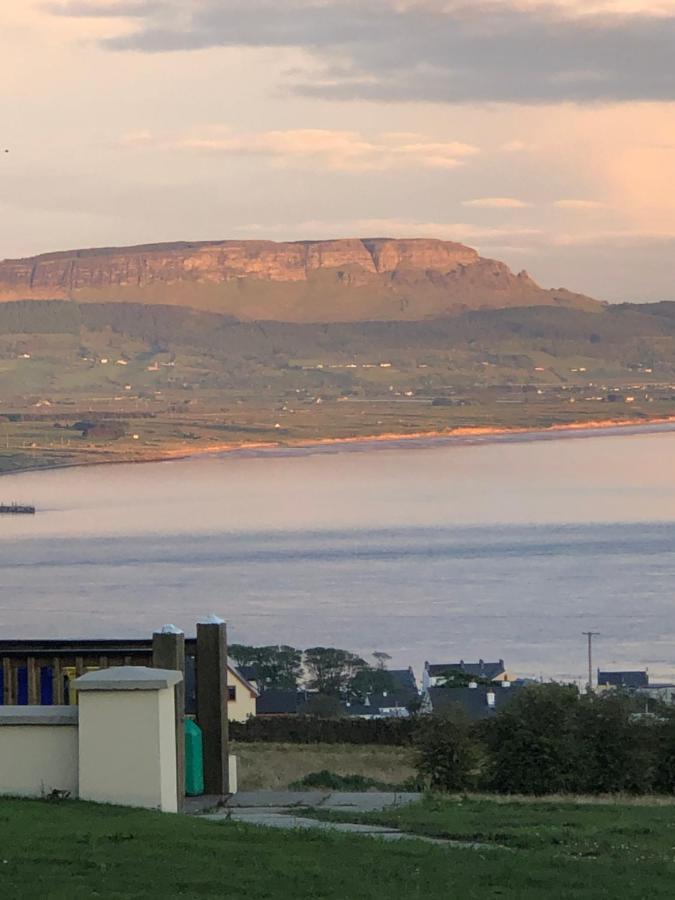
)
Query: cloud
[
  {"x": 142, "y": 138},
  {"x": 496, "y": 203},
  {"x": 579, "y": 204},
  {"x": 527, "y": 51},
  {"x": 462, "y": 232},
  {"x": 617, "y": 238},
  {"x": 514, "y": 147},
  {"x": 105, "y": 9},
  {"x": 330, "y": 149}
]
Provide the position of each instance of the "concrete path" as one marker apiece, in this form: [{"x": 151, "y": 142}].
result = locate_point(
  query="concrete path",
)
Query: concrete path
[
  {"x": 286, "y": 819},
  {"x": 279, "y": 809},
  {"x": 342, "y": 800}
]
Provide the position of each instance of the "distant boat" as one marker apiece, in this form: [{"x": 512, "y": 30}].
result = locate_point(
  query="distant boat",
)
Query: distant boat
[{"x": 16, "y": 509}]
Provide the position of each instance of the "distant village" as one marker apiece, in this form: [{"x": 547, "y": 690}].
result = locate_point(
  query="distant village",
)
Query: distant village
[
  {"x": 481, "y": 689},
  {"x": 270, "y": 681}
]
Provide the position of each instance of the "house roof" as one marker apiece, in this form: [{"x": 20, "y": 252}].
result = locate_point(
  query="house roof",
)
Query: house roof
[
  {"x": 480, "y": 669},
  {"x": 387, "y": 700},
  {"x": 360, "y": 709},
  {"x": 250, "y": 673},
  {"x": 474, "y": 701},
  {"x": 280, "y": 702},
  {"x": 237, "y": 672},
  {"x": 624, "y": 679},
  {"x": 404, "y": 682}
]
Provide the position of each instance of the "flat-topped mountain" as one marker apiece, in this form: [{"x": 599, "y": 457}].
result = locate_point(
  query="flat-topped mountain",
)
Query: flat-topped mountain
[{"x": 350, "y": 280}]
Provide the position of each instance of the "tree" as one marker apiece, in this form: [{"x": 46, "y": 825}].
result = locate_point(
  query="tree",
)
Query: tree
[
  {"x": 665, "y": 775},
  {"x": 331, "y": 670},
  {"x": 533, "y": 743},
  {"x": 446, "y": 752},
  {"x": 454, "y": 678},
  {"x": 617, "y": 743},
  {"x": 381, "y": 659},
  {"x": 370, "y": 681},
  {"x": 323, "y": 706},
  {"x": 276, "y": 666}
]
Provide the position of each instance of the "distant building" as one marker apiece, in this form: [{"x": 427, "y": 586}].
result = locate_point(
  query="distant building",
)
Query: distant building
[
  {"x": 664, "y": 693},
  {"x": 250, "y": 673},
  {"x": 379, "y": 706},
  {"x": 436, "y": 674},
  {"x": 282, "y": 702},
  {"x": 394, "y": 703},
  {"x": 242, "y": 695},
  {"x": 627, "y": 680},
  {"x": 405, "y": 683},
  {"x": 477, "y": 701}
]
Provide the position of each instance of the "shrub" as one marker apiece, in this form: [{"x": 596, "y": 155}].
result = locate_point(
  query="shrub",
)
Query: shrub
[
  {"x": 618, "y": 751},
  {"x": 331, "y": 781},
  {"x": 533, "y": 743},
  {"x": 447, "y": 752},
  {"x": 664, "y": 776},
  {"x": 315, "y": 730}
]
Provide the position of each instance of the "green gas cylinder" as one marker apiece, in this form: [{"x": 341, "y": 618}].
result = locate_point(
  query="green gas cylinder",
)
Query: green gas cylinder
[{"x": 194, "y": 759}]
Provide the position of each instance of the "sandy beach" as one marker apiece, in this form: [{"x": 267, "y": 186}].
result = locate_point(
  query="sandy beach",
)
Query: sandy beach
[{"x": 465, "y": 435}]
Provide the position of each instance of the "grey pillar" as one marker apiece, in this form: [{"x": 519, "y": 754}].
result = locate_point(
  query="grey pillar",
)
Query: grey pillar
[{"x": 212, "y": 704}]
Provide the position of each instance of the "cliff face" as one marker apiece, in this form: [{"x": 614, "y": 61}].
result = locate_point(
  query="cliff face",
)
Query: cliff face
[{"x": 320, "y": 281}]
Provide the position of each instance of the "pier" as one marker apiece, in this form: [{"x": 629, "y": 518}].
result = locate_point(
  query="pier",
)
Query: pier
[{"x": 16, "y": 509}]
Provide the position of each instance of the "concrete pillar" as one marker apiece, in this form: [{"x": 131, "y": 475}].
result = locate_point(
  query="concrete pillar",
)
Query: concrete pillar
[
  {"x": 168, "y": 652},
  {"x": 212, "y": 704},
  {"x": 127, "y": 737}
]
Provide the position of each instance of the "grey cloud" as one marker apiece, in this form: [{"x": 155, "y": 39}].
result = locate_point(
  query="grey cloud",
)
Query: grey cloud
[
  {"x": 482, "y": 53},
  {"x": 91, "y": 9}
]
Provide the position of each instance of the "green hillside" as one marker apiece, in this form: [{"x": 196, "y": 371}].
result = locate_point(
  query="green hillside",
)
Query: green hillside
[{"x": 182, "y": 379}]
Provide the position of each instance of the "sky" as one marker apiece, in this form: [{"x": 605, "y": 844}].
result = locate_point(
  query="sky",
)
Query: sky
[{"x": 541, "y": 132}]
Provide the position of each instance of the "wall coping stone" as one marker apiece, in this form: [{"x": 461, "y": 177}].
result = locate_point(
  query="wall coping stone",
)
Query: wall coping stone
[
  {"x": 38, "y": 715},
  {"x": 128, "y": 678}
]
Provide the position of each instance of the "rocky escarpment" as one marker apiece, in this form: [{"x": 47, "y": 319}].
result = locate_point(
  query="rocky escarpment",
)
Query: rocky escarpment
[{"x": 304, "y": 281}]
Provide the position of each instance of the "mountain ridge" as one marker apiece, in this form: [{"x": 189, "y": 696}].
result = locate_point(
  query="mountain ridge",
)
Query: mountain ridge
[{"x": 342, "y": 280}]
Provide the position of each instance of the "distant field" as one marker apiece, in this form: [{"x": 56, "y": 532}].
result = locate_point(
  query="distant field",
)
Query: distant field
[
  {"x": 275, "y": 766},
  {"x": 181, "y": 381}
]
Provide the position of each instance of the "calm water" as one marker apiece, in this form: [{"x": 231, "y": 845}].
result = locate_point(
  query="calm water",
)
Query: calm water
[{"x": 490, "y": 550}]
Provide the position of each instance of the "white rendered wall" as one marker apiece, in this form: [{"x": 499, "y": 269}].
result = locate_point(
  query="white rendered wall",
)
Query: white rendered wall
[
  {"x": 38, "y": 759},
  {"x": 233, "y": 774},
  {"x": 127, "y": 748}
]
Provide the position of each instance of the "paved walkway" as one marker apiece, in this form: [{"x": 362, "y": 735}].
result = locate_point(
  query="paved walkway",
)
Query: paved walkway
[
  {"x": 372, "y": 801},
  {"x": 279, "y": 809}
]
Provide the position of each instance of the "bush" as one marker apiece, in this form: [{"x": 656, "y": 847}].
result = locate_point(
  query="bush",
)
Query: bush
[
  {"x": 618, "y": 751},
  {"x": 447, "y": 752},
  {"x": 331, "y": 781},
  {"x": 315, "y": 730},
  {"x": 664, "y": 777},
  {"x": 553, "y": 740},
  {"x": 533, "y": 744}
]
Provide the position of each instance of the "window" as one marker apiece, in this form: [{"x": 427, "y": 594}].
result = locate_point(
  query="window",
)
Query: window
[{"x": 231, "y": 693}]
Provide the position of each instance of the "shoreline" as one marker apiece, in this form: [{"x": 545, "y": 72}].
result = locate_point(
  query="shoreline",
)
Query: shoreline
[{"x": 390, "y": 440}]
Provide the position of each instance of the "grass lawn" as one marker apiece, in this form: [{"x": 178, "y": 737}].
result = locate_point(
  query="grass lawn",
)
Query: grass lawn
[
  {"x": 76, "y": 850},
  {"x": 557, "y": 850}
]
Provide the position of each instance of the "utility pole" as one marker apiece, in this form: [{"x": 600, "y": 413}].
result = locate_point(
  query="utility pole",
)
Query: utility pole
[{"x": 590, "y": 635}]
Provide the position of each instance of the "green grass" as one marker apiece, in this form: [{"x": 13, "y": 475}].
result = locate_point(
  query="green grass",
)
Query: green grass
[
  {"x": 555, "y": 850},
  {"x": 222, "y": 383},
  {"x": 326, "y": 780},
  {"x": 76, "y": 850},
  {"x": 276, "y": 766}
]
